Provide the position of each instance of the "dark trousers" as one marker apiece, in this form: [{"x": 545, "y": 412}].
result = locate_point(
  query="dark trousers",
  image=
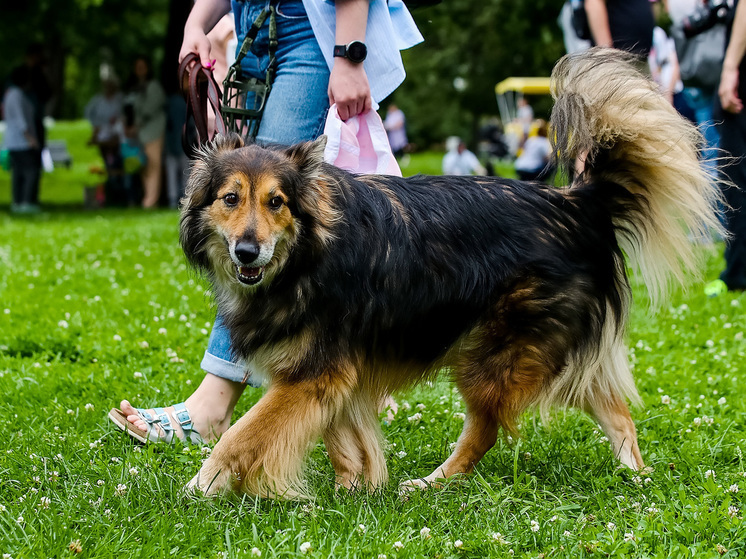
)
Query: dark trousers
[
  {"x": 733, "y": 141},
  {"x": 25, "y": 166}
]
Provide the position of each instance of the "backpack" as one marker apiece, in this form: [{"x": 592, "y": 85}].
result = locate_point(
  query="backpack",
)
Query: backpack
[{"x": 701, "y": 56}]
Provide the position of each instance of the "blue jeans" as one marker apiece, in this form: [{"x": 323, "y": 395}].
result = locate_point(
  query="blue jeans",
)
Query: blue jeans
[{"x": 295, "y": 112}]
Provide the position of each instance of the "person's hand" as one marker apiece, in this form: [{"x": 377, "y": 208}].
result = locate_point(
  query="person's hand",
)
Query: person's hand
[
  {"x": 349, "y": 88},
  {"x": 197, "y": 42},
  {"x": 728, "y": 91}
]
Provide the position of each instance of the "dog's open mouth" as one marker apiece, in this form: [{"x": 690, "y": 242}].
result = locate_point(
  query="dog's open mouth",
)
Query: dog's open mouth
[{"x": 249, "y": 276}]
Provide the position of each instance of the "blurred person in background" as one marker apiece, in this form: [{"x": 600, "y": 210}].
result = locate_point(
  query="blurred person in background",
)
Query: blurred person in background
[
  {"x": 731, "y": 94},
  {"x": 460, "y": 161},
  {"x": 396, "y": 128},
  {"x": 622, "y": 24},
  {"x": 533, "y": 163},
  {"x": 105, "y": 112},
  {"x": 22, "y": 142},
  {"x": 148, "y": 100}
]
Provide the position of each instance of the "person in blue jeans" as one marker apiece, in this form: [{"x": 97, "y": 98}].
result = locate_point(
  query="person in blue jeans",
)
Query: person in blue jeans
[{"x": 317, "y": 65}]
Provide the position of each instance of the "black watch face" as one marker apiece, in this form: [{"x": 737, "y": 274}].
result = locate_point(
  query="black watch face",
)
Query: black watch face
[{"x": 356, "y": 51}]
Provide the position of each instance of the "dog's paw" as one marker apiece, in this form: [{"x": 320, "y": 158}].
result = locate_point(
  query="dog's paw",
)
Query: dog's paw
[
  {"x": 212, "y": 481},
  {"x": 411, "y": 485}
]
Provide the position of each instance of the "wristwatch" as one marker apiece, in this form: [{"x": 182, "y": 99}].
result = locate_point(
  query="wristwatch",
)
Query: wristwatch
[{"x": 354, "y": 51}]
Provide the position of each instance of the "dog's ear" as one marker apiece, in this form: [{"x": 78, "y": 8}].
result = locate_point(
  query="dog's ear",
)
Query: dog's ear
[
  {"x": 198, "y": 191},
  {"x": 228, "y": 142},
  {"x": 308, "y": 157}
]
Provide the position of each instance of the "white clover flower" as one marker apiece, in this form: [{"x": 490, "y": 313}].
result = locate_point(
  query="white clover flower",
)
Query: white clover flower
[
  {"x": 361, "y": 528},
  {"x": 89, "y": 407},
  {"x": 709, "y": 343},
  {"x": 697, "y": 421},
  {"x": 710, "y": 473},
  {"x": 610, "y": 526},
  {"x": 382, "y": 556},
  {"x": 567, "y": 533},
  {"x": 398, "y": 545},
  {"x": 305, "y": 547},
  {"x": 498, "y": 537},
  {"x": 733, "y": 488},
  {"x": 425, "y": 532},
  {"x": 134, "y": 471},
  {"x": 415, "y": 419},
  {"x": 205, "y": 451},
  {"x": 137, "y": 374},
  {"x": 401, "y": 454},
  {"x": 534, "y": 526},
  {"x": 63, "y": 324},
  {"x": 2, "y": 508},
  {"x": 421, "y": 407},
  {"x": 144, "y": 345},
  {"x": 629, "y": 536},
  {"x": 665, "y": 399},
  {"x": 721, "y": 401},
  {"x": 256, "y": 552},
  {"x": 162, "y": 331},
  {"x": 405, "y": 406},
  {"x": 458, "y": 544},
  {"x": 117, "y": 338},
  {"x": 554, "y": 518},
  {"x": 121, "y": 490},
  {"x": 44, "y": 502}
]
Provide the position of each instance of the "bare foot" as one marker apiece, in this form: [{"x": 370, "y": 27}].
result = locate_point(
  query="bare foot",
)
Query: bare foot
[{"x": 210, "y": 407}]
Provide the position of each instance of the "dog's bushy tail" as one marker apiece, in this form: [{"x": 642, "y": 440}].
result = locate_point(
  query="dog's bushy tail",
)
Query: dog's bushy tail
[{"x": 612, "y": 116}]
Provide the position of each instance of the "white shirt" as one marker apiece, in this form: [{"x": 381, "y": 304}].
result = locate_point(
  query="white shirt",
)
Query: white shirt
[
  {"x": 464, "y": 163},
  {"x": 390, "y": 29},
  {"x": 535, "y": 155}
]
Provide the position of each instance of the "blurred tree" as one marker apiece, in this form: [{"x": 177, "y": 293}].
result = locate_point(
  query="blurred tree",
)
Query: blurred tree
[
  {"x": 470, "y": 46},
  {"x": 78, "y": 36}
]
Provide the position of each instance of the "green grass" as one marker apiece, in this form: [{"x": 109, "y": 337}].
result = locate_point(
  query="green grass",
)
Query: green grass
[{"x": 88, "y": 298}]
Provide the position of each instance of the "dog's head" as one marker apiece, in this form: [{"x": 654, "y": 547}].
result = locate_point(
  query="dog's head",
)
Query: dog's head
[{"x": 246, "y": 207}]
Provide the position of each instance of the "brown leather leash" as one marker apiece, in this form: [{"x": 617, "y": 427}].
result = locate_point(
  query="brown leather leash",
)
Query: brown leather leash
[{"x": 199, "y": 88}]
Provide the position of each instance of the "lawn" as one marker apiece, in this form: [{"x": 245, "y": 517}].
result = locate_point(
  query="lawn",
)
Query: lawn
[{"x": 100, "y": 305}]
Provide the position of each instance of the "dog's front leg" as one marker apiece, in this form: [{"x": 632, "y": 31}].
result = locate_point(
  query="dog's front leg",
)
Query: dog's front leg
[{"x": 263, "y": 452}]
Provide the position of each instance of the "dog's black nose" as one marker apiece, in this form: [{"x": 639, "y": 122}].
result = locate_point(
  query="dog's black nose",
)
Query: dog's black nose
[{"x": 246, "y": 252}]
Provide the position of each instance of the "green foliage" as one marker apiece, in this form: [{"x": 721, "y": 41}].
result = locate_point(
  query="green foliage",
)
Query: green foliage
[{"x": 482, "y": 43}]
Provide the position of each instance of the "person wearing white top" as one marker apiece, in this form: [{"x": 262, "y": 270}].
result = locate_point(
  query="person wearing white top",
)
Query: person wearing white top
[
  {"x": 460, "y": 161},
  {"x": 21, "y": 142}
]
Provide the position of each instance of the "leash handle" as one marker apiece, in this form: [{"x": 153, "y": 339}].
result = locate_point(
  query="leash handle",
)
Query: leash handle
[{"x": 199, "y": 88}]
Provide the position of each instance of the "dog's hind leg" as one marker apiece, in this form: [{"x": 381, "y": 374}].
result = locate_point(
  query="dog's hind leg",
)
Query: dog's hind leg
[
  {"x": 612, "y": 413},
  {"x": 353, "y": 441},
  {"x": 495, "y": 392},
  {"x": 263, "y": 452}
]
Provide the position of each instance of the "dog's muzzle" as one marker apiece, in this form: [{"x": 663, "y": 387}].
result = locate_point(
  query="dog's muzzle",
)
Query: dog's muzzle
[{"x": 247, "y": 253}]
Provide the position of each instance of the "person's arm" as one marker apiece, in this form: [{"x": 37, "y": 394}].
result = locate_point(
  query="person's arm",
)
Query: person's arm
[
  {"x": 348, "y": 84},
  {"x": 204, "y": 16},
  {"x": 728, "y": 90},
  {"x": 598, "y": 21}
]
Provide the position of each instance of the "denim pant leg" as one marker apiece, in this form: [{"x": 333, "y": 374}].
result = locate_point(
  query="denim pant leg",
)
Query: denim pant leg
[{"x": 295, "y": 111}]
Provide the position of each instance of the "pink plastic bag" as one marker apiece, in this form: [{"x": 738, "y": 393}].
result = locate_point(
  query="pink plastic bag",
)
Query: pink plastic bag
[{"x": 359, "y": 145}]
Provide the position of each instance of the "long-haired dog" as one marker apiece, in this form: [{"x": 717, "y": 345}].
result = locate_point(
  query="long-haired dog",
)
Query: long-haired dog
[{"x": 340, "y": 289}]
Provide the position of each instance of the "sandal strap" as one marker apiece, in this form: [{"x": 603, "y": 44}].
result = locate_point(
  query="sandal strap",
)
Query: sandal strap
[{"x": 163, "y": 420}]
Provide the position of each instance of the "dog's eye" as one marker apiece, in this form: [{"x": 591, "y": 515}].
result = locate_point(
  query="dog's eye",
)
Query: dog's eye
[
  {"x": 230, "y": 199},
  {"x": 275, "y": 202}
]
